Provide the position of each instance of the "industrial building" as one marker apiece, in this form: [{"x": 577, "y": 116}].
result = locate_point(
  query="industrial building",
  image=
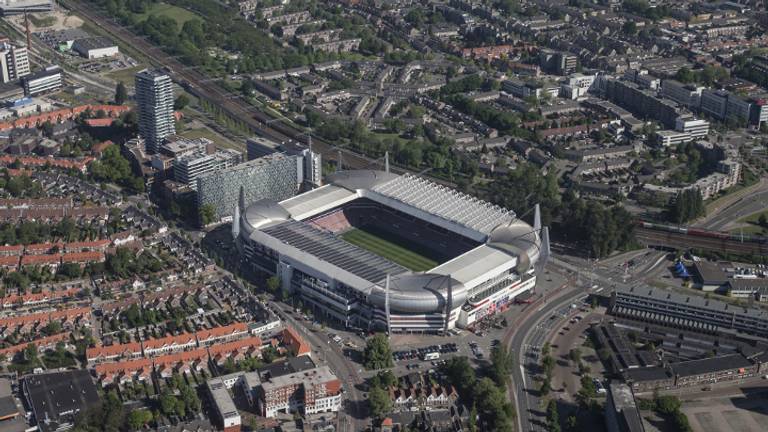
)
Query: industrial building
[{"x": 95, "y": 47}]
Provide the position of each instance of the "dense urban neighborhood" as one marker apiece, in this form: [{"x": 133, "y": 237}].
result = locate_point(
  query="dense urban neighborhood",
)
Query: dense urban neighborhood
[{"x": 383, "y": 215}]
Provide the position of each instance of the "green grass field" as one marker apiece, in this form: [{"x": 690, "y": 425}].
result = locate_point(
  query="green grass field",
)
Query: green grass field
[
  {"x": 180, "y": 15},
  {"x": 397, "y": 250}
]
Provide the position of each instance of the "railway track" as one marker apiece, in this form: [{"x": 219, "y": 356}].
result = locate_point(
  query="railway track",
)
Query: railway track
[{"x": 651, "y": 237}]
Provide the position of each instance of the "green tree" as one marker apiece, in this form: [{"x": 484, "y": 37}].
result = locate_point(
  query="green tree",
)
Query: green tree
[
  {"x": 207, "y": 214},
  {"x": 378, "y": 353},
  {"x": 273, "y": 284},
  {"x": 553, "y": 418},
  {"x": 379, "y": 402},
  {"x": 181, "y": 102},
  {"x": 502, "y": 362},
  {"x": 575, "y": 355},
  {"x": 137, "y": 419},
  {"x": 121, "y": 93},
  {"x": 629, "y": 27}
]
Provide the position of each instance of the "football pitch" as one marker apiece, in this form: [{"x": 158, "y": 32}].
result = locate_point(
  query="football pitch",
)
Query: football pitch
[{"x": 397, "y": 250}]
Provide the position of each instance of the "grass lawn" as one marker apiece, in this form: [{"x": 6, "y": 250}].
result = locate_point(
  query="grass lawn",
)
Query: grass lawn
[
  {"x": 753, "y": 218},
  {"x": 180, "y": 15},
  {"x": 750, "y": 230},
  {"x": 395, "y": 249},
  {"x": 126, "y": 76},
  {"x": 213, "y": 136}
]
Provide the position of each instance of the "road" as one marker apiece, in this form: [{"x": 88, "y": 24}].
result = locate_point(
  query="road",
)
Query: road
[{"x": 327, "y": 352}]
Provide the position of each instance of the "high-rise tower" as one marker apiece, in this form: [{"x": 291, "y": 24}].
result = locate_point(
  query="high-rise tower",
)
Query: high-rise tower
[{"x": 154, "y": 98}]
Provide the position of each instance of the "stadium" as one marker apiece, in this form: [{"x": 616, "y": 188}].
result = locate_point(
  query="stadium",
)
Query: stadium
[{"x": 376, "y": 250}]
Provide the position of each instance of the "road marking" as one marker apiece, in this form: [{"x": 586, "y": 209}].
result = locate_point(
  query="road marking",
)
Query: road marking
[{"x": 522, "y": 372}]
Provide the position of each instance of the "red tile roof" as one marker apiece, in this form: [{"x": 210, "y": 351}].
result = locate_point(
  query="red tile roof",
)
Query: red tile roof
[
  {"x": 292, "y": 339},
  {"x": 114, "y": 350},
  {"x": 83, "y": 257},
  {"x": 218, "y": 332},
  {"x": 40, "y": 259}
]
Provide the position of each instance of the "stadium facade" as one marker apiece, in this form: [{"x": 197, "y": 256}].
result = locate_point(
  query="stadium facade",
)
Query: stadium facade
[{"x": 485, "y": 256}]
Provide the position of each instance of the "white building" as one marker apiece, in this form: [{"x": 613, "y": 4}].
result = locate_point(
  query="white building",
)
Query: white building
[
  {"x": 577, "y": 86},
  {"x": 96, "y": 48},
  {"x": 14, "y": 62},
  {"x": 45, "y": 81},
  {"x": 685, "y": 94}
]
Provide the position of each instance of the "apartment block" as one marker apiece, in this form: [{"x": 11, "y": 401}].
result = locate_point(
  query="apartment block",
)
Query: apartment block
[{"x": 154, "y": 99}]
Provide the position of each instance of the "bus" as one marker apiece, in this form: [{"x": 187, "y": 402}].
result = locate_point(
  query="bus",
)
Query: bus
[{"x": 431, "y": 356}]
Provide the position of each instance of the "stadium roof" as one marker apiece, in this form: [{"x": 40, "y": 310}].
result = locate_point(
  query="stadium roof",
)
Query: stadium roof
[
  {"x": 333, "y": 250},
  {"x": 446, "y": 203}
]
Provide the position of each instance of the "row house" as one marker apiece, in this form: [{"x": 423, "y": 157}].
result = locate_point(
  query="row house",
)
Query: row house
[
  {"x": 236, "y": 350},
  {"x": 124, "y": 372},
  {"x": 88, "y": 246},
  {"x": 221, "y": 334},
  {"x": 101, "y": 354},
  {"x": 83, "y": 258},
  {"x": 419, "y": 398},
  {"x": 34, "y": 299},
  {"x": 16, "y": 250},
  {"x": 295, "y": 343},
  {"x": 169, "y": 344},
  {"x": 42, "y": 344},
  {"x": 183, "y": 362},
  {"x": 69, "y": 318}
]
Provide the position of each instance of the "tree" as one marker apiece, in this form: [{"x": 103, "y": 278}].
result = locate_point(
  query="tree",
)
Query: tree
[
  {"x": 667, "y": 405},
  {"x": 138, "y": 418},
  {"x": 553, "y": 418},
  {"x": 501, "y": 365},
  {"x": 546, "y": 387},
  {"x": 379, "y": 401},
  {"x": 629, "y": 28},
  {"x": 121, "y": 93},
  {"x": 378, "y": 353},
  {"x": 575, "y": 355},
  {"x": 273, "y": 284},
  {"x": 181, "y": 102},
  {"x": 762, "y": 221},
  {"x": 207, "y": 214},
  {"x": 460, "y": 373}
]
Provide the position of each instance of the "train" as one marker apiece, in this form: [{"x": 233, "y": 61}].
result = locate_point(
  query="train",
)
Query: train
[{"x": 703, "y": 233}]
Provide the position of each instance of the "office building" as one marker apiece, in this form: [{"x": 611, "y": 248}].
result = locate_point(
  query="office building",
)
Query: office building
[
  {"x": 14, "y": 62},
  {"x": 696, "y": 128},
  {"x": 15, "y": 7},
  {"x": 687, "y": 95},
  {"x": 642, "y": 103},
  {"x": 188, "y": 168},
  {"x": 276, "y": 176},
  {"x": 686, "y": 311},
  {"x": 307, "y": 392},
  {"x": 577, "y": 86},
  {"x": 226, "y": 416},
  {"x": 45, "y": 81},
  {"x": 260, "y": 146},
  {"x": 154, "y": 99},
  {"x": 723, "y": 105}
]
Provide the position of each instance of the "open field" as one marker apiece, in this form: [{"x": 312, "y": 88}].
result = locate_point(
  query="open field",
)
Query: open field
[
  {"x": 126, "y": 76},
  {"x": 397, "y": 250},
  {"x": 180, "y": 15}
]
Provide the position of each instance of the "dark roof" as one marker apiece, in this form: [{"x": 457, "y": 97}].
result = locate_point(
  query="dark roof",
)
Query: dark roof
[
  {"x": 292, "y": 365},
  {"x": 334, "y": 250},
  {"x": 94, "y": 43},
  {"x": 56, "y": 397},
  {"x": 714, "y": 364},
  {"x": 710, "y": 273},
  {"x": 653, "y": 373}
]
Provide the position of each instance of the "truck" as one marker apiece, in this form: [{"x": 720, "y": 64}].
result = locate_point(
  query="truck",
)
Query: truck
[{"x": 431, "y": 356}]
